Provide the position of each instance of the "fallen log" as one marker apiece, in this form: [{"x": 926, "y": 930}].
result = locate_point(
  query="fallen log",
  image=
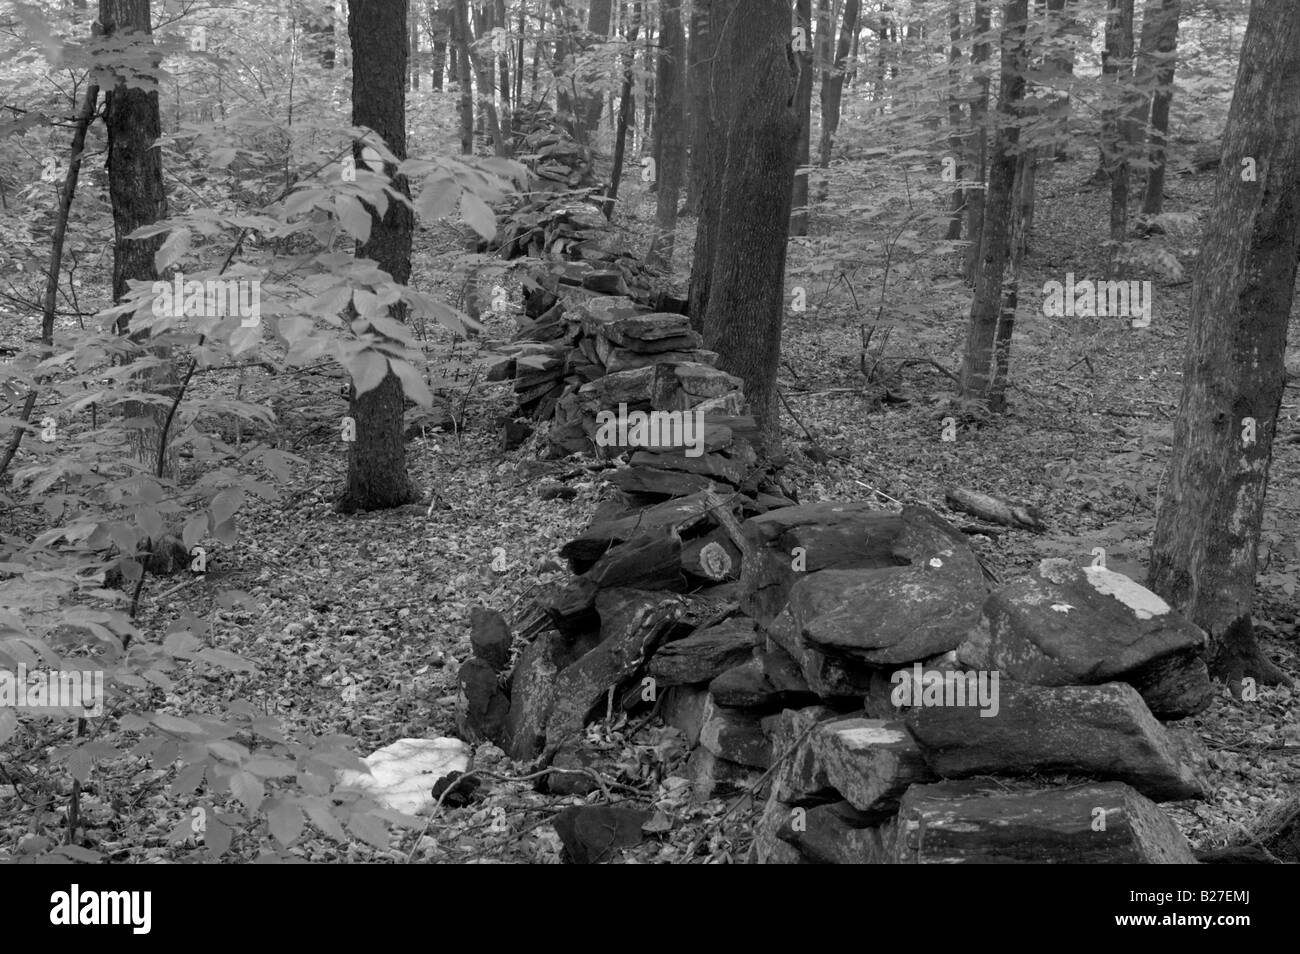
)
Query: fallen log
[{"x": 994, "y": 509}]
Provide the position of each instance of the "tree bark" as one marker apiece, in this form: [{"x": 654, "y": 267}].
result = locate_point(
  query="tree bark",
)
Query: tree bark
[
  {"x": 1166, "y": 45},
  {"x": 1060, "y": 66},
  {"x": 979, "y": 111},
  {"x": 502, "y": 20},
  {"x": 1119, "y": 127},
  {"x": 699, "y": 58},
  {"x": 803, "y": 106},
  {"x": 485, "y": 80},
  {"x": 460, "y": 44},
  {"x": 377, "y": 477},
  {"x": 440, "y": 24},
  {"x": 593, "y": 103},
  {"x": 671, "y": 90},
  {"x": 832, "y": 91},
  {"x": 956, "y": 141},
  {"x": 746, "y": 299},
  {"x": 711, "y": 101},
  {"x": 1208, "y": 521},
  {"x": 978, "y": 364},
  {"x": 135, "y": 188}
]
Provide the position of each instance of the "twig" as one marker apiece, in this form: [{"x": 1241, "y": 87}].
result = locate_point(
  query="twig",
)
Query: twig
[
  {"x": 875, "y": 491},
  {"x": 790, "y": 410}
]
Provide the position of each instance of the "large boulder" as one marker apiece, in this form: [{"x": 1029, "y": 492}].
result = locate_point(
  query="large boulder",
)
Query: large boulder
[
  {"x": 1066, "y": 625},
  {"x": 792, "y": 542},
  {"x": 1105, "y": 732},
  {"x": 972, "y": 822}
]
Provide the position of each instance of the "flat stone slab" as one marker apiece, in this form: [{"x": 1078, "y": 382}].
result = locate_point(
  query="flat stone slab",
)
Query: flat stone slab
[
  {"x": 981, "y": 823},
  {"x": 792, "y": 542},
  {"x": 705, "y": 654},
  {"x": 630, "y": 331},
  {"x": 768, "y": 680},
  {"x": 734, "y": 735},
  {"x": 837, "y": 834},
  {"x": 869, "y": 762},
  {"x": 892, "y": 615},
  {"x": 1104, "y": 732},
  {"x": 1065, "y": 625}
]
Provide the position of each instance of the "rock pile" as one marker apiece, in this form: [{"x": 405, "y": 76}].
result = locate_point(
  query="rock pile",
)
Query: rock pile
[
  {"x": 594, "y": 333},
  {"x": 853, "y": 665},
  {"x": 588, "y": 345}
]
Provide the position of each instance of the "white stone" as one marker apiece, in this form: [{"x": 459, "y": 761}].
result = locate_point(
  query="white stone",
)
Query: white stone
[
  {"x": 1136, "y": 597},
  {"x": 402, "y": 775}
]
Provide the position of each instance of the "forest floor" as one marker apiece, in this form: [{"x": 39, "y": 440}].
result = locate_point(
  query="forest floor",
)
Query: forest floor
[{"x": 363, "y": 619}]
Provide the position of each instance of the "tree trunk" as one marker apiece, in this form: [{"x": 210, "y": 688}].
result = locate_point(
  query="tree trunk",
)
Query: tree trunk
[
  {"x": 377, "y": 477},
  {"x": 746, "y": 298},
  {"x": 1208, "y": 520},
  {"x": 803, "y": 106},
  {"x": 135, "y": 188},
  {"x": 699, "y": 59},
  {"x": 440, "y": 24},
  {"x": 977, "y": 373},
  {"x": 671, "y": 90},
  {"x": 956, "y": 142},
  {"x": 624, "y": 117},
  {"x": 1118, "y": 127},
  {"x": 465, "y": 107},
  {"x": 503, "y": 65},
  {"x": 413, "y": 34},
  {"x": 832, "y": 92},
  {"x": 979, "y": 111},
  {"x": 1166, "y": 43},
  {"x": 1060, "y": 66},
  {"x": 485, "y": 80},
  {"x": 593, "y": 104},
  {"x": 711, "y": 100},
  {"x": 519, "y": 54}
]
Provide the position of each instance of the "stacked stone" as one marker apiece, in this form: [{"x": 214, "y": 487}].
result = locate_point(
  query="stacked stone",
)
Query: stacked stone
[
  {"x": 1067, "y": 763},
  {"x": 588, "y": 350},
  {"x": 781, "y": 667}
]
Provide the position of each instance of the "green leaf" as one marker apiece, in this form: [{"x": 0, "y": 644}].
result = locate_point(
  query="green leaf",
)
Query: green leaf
[
  {"x": 80, "y": 764},
  {"x": 217, "y": 837},
  {"x": 194, "y": 530},
  {"x": 285, "y": 822},
  {"x": 478, "y": 214},
  {"x": 413, "y": 384},
  {"x": 271, "y": 767},
  {"x": 188, "y": 779},
  {"x": 369, "y": 829},
  {"x": 368, "y": 369},
  {"x": 176, "y": 245},
  {"x": 318, "y": 810},
  {"x": 353, "y": 216},
  {"x": 437, "y": 199},
  {"x": 248, "y": 788},
  {"x": 171, "y": 723},
  {"x": 78, "y": 853},
  {"x": 226, "y": 503}
]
